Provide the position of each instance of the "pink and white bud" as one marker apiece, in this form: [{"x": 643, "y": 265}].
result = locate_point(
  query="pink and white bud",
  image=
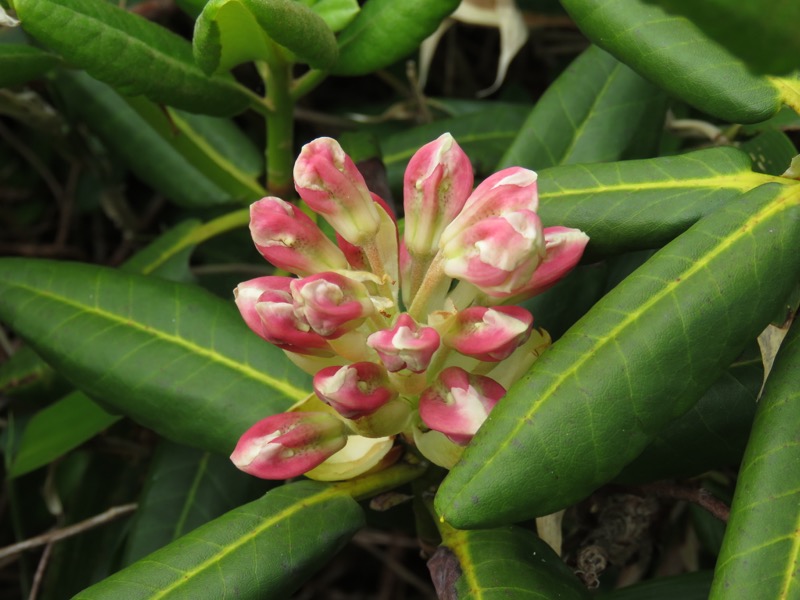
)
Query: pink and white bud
[
  {"x": 290, "y": 240},
  {"x": 331, "y": 303},
  {"x": 356, "y": 390},
  {"x": 328, "y": 180},
  {"x": 437, "y": 183},
  {"x": 498, "y": 254},
  {"x": 489, "y": 334},
  {"x": 407, "y": 345},
  {"x": 289, "y": 444},
  {"x": 510, "y": 190},
  {"x": 247, "y": 294},
  {"x": 458, "y": 403}
]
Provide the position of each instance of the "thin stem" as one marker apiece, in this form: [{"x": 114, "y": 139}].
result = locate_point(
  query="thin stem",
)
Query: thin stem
[
  {"x": 307, "y": 82},
  {"x": 429, "y": 286},
  {"x": 280, "y": 126},
  {"x": 382, "y": 481}
]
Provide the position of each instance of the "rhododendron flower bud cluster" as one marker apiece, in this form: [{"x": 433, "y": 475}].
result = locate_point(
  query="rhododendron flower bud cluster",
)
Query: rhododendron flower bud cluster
[{"x": 412, "y": 341}]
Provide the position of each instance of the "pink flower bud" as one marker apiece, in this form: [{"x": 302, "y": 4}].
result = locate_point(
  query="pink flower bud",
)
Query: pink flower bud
[
  {"x": 331, "y": 303},
  {"x": 407, "y": 345},
  {"x": 564, "y": 247},
  {"x": 437, "y": 183},
  {"x": 289, "y": 444},
  {"x": 247, "y": 294},
  {"x": 328, "y": 180},
  {"x": 458, "y": 403},
  {"x": 489, "y": 334},
  {"x": 354, "y": 391},
  {"x": 510, "y": 190},
  {"x": 290, "y": 240},
  {"x": 497, "y": 254}
]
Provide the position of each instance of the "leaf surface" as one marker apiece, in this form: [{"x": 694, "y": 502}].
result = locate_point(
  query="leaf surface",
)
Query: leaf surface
[
  {"x": 601, "y": 393},
  {"x": 172, "y": 357},
  {"x": 19, "y": 63}
]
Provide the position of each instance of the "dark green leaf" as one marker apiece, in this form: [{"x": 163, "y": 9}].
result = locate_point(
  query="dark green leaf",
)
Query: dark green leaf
[
  {"x": 230, "y": 32},
  {"x": 265, "y": 549},
  {"x": 690, "y": 586},
  {"x": 130, "y": 54},
  {"x": 771, "y": 151},
  {"x": 761, "y": 548},
  {"x": 676, "y": 55},
  {"x": 598, "y": 110},
  {"x": 640, "y": 357},
  {"x": 508, "y": 562},
  {"x": 386, "y": 31},
  {"x": 25, "y": 374},
  {"x": 172, "y": 357},
  {"x": 20, "y": 63},
  {"x": 168, "y": 255}
]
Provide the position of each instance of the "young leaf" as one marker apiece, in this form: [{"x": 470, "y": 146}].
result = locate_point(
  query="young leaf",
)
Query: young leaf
[
  {"x": 19, "y": 63},
  {"x": 386, "y": 31},
  {"x": 598, "y": 110},
  {"x": 761, "y": 548},
  {"x": 640, "y": 357},
  {"x": 230, "y": 32},
  {"x": 129, "y": 53},
  {"x": 507, "y": 562},
  {"x": 264, "y": 549},
  {"x": 171, "y": 357},
  {"x": 338, "y": 14},
  {"x": 675, "y": 54}
]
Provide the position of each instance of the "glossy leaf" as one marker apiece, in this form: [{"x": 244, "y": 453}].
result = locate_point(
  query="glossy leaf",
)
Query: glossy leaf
[
  {"x": 508, "y": 562},
  {"x": 386, "y": 31},
  {"x": 19, "y": 63},
  {"x": 264, "y": 549},
  {"x": 129, "y": 53},
  {"x": 675, "y": 54},
  {"x": 338, "y": 14},
  {"x": 761, "y": 548},
  {"x": 171, "y": 357},
  {"x": 639, "y": 358},
  {"x": 689, "y": 586},
  {"x": 57, "y": 429},
  {"x": 230, "y": 32},
  {"x": 184, "y": 489},
  {"x": 643, "y": 204},
  {"x": 150, "y": 157},
  {"x": 598, "y": 110}
]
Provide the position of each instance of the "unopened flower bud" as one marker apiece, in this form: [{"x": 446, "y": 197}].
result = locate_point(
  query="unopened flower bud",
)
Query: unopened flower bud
[
  {"x": 331, "y": 303},
  {"x": 437, "y": 183},
  {"x": 355, "y": 255},
  {"x": 290, "y": 240},
  {"x": 407, "y": 345},
  {"x": 289, "y": 444},
  {"x": 356, "y": 390},
  {"x": 328, "y": 180},
  {"x": 458, "y": 403},
  {"x": 489, "y": 334}
]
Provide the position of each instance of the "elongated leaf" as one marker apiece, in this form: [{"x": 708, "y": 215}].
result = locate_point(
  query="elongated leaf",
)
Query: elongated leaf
[
  {"x": 642, "y": 356},
  {"x": 170, "y": 356},
  {"x": 690, "y": 586},
  {"x": 265, "y": 549},
  {"x": 129, "y": 53},
  {"x": 338, "y": 14},
  {"x": 58, "y": 429},
  {"x": 230, "y": 32},
  {"x": 151, "y": 158},
  {"x": 761, "y": 548},
  {"x": 597, "y": 110},
  {"x": 508, "y": 562},
  {"x": 643, "y": 204},
  {"x": 26, "y": 374},
  {"x": 20, "y": 63},
  {"x": 168, "y": 255},
  {"x": 185, "y": 488},
  {"x": 386, "y": 31},
  {"x": 675, "y": 54}
]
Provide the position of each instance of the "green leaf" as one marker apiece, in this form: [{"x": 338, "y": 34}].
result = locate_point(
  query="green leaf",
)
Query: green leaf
[
  {"x": 690, "y": 586},
  {"x": 507, "y": 562},
  {"x": 146, "y": 153},
  {"x": 338, "y": 14},
  {"x": 20, "y": 63},
  {"x": 230, "y": 32},
  {"x": 761, "y": 548},
  {"x": 771, "y": 151},
  {"x": 172, "y": 357},
  {"x": 168, "y": 255},
  {"x": 598, "y": 110},
  {"x": 264, "y": 549},
  {"x": 675, "y": 54},
  {"x": 129, "y": 53},
  {"x": 185, "y": 488},
  {"x": 57, "y": 429},
  {"x": 643, "y": 204},
  {"x": 24, "y": 374},
  {"x": 386, "y": 31},
  {"x": 742, "y": 28},
  {"x": 639, "y": 358}
]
